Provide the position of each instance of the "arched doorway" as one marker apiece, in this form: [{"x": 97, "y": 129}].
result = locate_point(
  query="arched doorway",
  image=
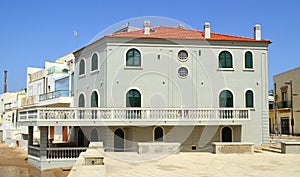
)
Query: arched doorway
[
  {"x": 133, "y": 99},
  {"x": 94, "y": 136},
  {"x": 158, "y": 134},
  {"x": 119, "y": 140},
  {"x": 81, "y": 138},
  {"x": 226, "y": 134}
]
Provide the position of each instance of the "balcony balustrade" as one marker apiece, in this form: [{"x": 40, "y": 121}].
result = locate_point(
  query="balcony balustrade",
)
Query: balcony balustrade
[
  {"x": 55, "y": 94},
  {"x": 284, "y": 104},
  {"x": 73, "y": 115}
]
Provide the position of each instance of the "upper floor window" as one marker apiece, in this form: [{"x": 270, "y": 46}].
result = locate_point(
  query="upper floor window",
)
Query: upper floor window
[
  {"x": 81, "y": 101},
  {"x": 133, "y": 58},
  {"x": 225, "y": 60},
  {"x": 81, "y": 67},
  {"x": 94, "y": 99},
  {"x": 182, "y": 55},
  {"x": 249, "y": 99},
  {"x": 248, "y": 60},
  {"x": 133, "y": 98},
  {"x": 226, "y": 99},
  {"x": 94, "y": 62}
]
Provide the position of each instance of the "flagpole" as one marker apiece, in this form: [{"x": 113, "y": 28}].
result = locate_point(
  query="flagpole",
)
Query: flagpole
[{"x": 76, "y": 38}]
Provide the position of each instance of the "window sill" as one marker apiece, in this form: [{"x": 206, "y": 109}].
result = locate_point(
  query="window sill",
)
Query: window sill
[
  {"x": 225, "y": 69},
  {"x": 248, "y": 69},
  {"x": 133, "y": 68},
  {"x": 95, "y": 71},
  {"x": 81, "y": 76}
]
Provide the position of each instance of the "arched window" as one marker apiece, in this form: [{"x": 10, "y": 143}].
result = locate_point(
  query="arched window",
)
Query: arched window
[
  {"x": 226, "y": 99},
  {"x": 94, "y": 62},
  {"x": 248, "y": 60},
  {"x": 249, "y": 99},
  {"x": 81, "y": 101},
  {"x": 225, "y": 60},
  {"x": 94, "y": 99},
  {"x": 133, "y": 58},
  {"x": 158, "y": 134},
  {"x": 94, "y": 136},
  {"x": 81, "y": 67},
  {"x": 226, "y": 134},
  {"x": 133, "y": 98}
]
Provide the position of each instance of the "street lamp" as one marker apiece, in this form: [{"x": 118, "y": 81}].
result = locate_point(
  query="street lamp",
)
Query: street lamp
[{"x": 292, "y": 110}]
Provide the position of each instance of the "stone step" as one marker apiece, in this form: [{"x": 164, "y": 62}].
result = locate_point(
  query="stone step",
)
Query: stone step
[
  {"x": 271, "y": 149},
  {"x": 275, "y": 147}
]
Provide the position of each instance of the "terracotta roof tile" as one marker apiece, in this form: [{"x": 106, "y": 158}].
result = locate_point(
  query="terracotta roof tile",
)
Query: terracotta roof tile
[{"x": 163, "y": 32}]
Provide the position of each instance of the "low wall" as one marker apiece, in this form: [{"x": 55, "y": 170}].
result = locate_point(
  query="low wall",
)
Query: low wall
[
  {"x": 158, "y": 147},
  {"x": 290, "y": 147},
  {"x": 234, "y": 147}
]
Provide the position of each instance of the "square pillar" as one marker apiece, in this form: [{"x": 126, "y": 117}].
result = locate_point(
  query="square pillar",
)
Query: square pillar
[
  {"x": 30, "y": 135},
  {"x": 43, "y": 142}
]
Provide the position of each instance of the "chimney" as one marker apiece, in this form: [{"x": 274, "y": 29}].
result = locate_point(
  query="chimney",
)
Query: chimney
[
  {"x": 180, "y": 26},
  {"x": 147, "y": 27},
  {"x": 206, "y": 30},
  {"x": 257, "y": 32},
  {"x": 5, "y": 83}
]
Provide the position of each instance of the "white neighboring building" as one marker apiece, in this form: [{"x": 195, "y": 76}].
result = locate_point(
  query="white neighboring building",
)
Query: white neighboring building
[
  {"x": 10, "y": 104},
  {"x": 51, "y": 86}
]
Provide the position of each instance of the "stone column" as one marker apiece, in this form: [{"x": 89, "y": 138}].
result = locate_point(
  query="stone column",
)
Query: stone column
[{"x": 43, "y": 142}]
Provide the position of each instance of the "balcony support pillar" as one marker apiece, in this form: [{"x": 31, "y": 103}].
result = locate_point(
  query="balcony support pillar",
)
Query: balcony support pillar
[{"x": 43, "y": 142}]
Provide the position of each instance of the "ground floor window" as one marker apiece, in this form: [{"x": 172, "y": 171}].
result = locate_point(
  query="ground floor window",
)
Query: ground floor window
[
  {"x": 226, "y": 134},
  {"x": 158, "y": 134}
]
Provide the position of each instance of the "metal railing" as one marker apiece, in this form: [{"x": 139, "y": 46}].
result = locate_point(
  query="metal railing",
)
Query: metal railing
[
  {"x": 65, "y": 153},
  {"x": 55, "y": 94},
  {"x": 284, "y": 104},
  {"x": 135, "y": 113}
]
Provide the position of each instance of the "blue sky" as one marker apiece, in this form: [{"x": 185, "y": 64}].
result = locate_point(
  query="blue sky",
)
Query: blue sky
[{"x": 34, "y": 31}]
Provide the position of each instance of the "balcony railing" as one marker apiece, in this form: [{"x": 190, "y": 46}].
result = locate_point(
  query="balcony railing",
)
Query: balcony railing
[
  {"x": 57, "y": 114},
  {"x": 65, "y": 153},
  {"x": 36, "y": 76},
  {"x": 58, "y": 153},
  {"x": 284, "y": 104},
  {"x": 55, "y": 94},
  {"x": 29, "y": 100}
]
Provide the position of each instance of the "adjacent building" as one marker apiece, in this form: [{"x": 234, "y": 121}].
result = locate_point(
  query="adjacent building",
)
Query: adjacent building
[
  {"x": 287, "y": 100},
  {"x": 159, "y": 85}
]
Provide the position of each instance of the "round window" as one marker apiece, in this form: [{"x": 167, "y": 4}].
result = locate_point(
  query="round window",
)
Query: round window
[
  {"x": 182, "y": 55},
  {"x": 183, "y": 72}
]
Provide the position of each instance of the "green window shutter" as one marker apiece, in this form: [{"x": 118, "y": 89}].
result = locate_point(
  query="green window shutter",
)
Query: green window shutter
[
  {"x": 133, "y": 58},
  {"x": 94, "y": 99},
  {"x": 81, "y": 67},
  {"x": 225, "y": 60},
  {"x": 133, "y": 99},
  {"x": 94, "y": 62},
  {"x": 248, "y": 60},
  {"x": 249, "y": 99},
  {"x": 226, "y": 99},
  {"x": 81, "y": 101}
]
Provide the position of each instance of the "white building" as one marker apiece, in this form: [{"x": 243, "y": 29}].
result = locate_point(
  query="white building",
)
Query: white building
[
  {"x": 166, "y": 85},
  {"x": 10, "y": 103},
  {"x": 51, "y": 86}
]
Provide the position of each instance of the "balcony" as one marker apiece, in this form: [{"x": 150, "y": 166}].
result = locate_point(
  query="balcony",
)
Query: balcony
[
  {"x": 36, "y": 76},
  {"x": 284, "y": 104},
  {"x": 57, "y": 69},
  {"x": 55, "y": 94},
  {"x": 30, "y": 100},
  {"x": 132, "y": 116}
]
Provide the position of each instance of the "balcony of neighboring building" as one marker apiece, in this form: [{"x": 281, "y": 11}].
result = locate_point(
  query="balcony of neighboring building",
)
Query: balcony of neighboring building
[
  {"x": 284, "y": 105},
  {"x": 57, "y": 69},
  {"x": 29, "y": 101},
  {"x": 36, "y": 76},
  {"x": 58, "y": 98}
]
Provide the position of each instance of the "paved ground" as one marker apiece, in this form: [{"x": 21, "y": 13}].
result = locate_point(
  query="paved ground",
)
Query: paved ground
[
  {"x": 207, "y": 164},
  {"x": 193, "y": 164}
]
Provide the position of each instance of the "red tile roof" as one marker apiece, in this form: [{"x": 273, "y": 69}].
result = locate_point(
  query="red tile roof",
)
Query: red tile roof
[{"x": 163, "y": 32}]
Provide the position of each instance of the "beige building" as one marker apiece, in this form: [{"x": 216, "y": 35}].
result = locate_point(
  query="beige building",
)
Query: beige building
[{"x": 287, "y": 86}]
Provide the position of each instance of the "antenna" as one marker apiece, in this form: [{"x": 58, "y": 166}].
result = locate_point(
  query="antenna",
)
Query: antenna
[{"x": 76, "y": 38}]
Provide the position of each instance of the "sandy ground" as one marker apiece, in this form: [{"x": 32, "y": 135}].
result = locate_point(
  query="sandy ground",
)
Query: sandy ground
[{"x": 13, "y": 163}]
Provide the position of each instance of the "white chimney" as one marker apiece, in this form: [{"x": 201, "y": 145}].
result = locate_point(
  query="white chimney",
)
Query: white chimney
[
  {"x": 257, "y": 32},
  {"x": 206, "y": 30},
  {"x": 146, "y": 27},
  {"x": 180, "y": 26}
]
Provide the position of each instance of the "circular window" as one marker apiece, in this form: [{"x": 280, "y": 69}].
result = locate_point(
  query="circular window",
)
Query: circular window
[
  {"x": 182, "y": 55},
  {"x": 183, "y": 72}
]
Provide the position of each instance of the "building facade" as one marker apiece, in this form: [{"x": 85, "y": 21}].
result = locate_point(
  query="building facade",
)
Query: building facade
[
  {"x": 163, "y": 85},
  {"x": 286, "y": 86}
]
